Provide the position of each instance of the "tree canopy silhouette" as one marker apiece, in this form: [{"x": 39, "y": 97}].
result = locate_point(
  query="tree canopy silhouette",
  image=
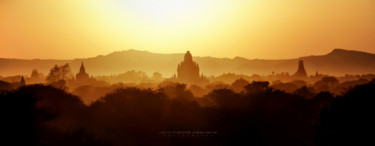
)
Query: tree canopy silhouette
[
  {"x": 261, "y": 115},
  {"x": 58, "y": 75}
]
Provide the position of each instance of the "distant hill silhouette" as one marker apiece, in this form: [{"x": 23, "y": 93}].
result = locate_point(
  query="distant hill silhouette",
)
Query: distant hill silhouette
[{"x": 337, "y": 62}]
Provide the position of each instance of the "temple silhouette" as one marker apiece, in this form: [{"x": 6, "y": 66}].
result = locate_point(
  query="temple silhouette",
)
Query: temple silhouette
[
  {"x": 22, "y": 81},
  {"x": 188, "y": 71},
  {"x": 82, "y": 75},
  {"x": 301, "y": 72}
]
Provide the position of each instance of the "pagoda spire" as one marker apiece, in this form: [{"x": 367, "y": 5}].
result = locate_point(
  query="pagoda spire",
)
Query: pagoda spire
[
  {"x": 82, "y": 75},
  {"x": 301, "y": 71},
  {"x": 82, "y": 69},
  {"x": 22, "y": 81}
]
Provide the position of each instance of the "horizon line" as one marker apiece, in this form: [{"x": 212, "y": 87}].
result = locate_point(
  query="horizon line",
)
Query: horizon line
[{"x": 126, "y": 50}]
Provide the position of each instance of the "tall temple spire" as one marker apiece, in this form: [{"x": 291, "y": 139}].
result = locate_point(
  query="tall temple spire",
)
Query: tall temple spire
[
  {"x": 82, "y": 75},
  {"x": 301, "y": 72},
  {"x": 82, "y": 69},
  {"x": 188, "y": 57},
  {"x": 22, "y": 81},
  {"x": 188, "y": 70}
]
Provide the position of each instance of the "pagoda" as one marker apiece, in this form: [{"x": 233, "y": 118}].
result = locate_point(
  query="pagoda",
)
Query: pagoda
[
  {"x": 301, "y": 72},
  {"x": 82, "y": 75}
]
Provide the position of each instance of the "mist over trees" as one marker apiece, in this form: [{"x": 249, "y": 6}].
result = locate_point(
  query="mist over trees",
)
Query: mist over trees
[
  {"x": 57, "y": 73},
  {"x": 258, "y": 115},
  {"x": 134, "y": 108}
]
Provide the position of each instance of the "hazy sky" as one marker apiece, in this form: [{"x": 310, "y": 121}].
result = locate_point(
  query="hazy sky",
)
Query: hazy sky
[{"x": 272, "y": 29}]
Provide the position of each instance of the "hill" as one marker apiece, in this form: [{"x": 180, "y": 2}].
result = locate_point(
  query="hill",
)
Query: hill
[{"x": 337, "y": 62}]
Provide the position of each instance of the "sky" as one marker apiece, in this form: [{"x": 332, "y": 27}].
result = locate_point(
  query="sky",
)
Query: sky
[{"x": 265, "y": 29}]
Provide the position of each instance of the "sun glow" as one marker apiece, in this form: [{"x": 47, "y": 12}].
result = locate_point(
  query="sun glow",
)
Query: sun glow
[
  {"x": 164, "y": 26},
  {"x": 221, "y": 28},
  {"x": 163, "y": 10},
  {"x": 163, "y": 13}
]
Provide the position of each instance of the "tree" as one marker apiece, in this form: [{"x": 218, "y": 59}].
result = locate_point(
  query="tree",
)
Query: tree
[
  {"x": 257, "y": 87},
  {"x": 59, "y": 73},
  {"x": 349, "y": 119},
  {"x": 53, "y": 75},
  {"x": 66, "y": 71},
  {"x": 157, "y": 77},
  {"x": 239, "y": 84}
]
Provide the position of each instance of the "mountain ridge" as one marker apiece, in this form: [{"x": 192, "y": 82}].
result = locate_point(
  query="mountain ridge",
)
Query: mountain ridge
[{"x": 336, "y": 62}]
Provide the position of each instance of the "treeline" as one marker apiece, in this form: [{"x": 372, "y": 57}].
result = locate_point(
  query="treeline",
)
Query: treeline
[{"x": 259, "y": 115}]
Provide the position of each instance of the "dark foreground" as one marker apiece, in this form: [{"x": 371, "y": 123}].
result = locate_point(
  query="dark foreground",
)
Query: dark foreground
[{"x": 44, "y": 115}]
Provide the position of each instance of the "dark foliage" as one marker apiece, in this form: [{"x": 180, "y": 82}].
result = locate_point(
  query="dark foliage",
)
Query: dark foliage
[
  {"x": 260, "y": 115},
  {"x": 348, "y": 121},
  {"x": 43, "y": 115}
]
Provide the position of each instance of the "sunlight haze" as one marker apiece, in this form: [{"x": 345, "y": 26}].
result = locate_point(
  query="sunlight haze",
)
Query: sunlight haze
[{"x": 265, "y": 29}]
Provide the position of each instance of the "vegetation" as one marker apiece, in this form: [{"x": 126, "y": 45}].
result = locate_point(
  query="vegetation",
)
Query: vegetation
[{"x": 260, "y": 115}]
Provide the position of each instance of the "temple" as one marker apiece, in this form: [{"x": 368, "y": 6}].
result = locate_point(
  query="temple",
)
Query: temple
[
  {"x": 22, "y": 81},
  {"x": 82, "y": 75},
  {"x": 188, "y": 71},
  {"x": 301, "y": 72}
]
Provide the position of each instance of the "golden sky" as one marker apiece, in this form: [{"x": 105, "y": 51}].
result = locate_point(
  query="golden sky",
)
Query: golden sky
[{"x": 271, "y": 29}]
